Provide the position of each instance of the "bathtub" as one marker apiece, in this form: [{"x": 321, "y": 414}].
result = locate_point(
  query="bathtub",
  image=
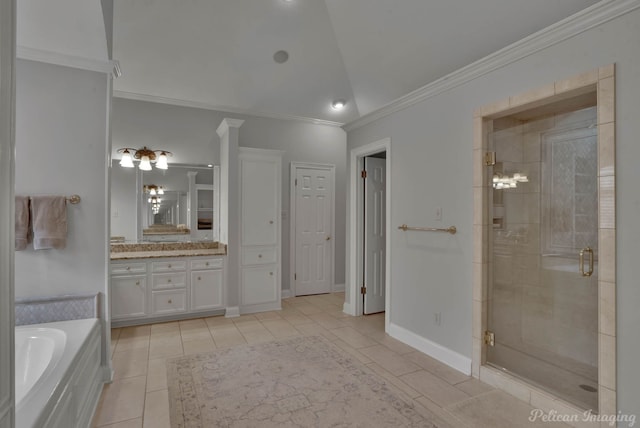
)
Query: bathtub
[{"x": 57, "y": 373}]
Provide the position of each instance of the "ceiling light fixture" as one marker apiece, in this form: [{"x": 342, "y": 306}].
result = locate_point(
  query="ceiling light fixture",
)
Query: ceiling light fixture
[
  {"x": 338, "y": 104},
  {"x": 145, "y": 156}
]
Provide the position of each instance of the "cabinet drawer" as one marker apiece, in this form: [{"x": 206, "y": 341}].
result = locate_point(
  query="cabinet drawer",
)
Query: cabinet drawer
[
  {"x": 168, "y": 280},
  {"x": 257, "y": 256},
  {"x": 167, "y": 302},
  {"x": 207, "y": 264},
  {"x": 171, "y": 266},
  {"x": 128, "y": 268}
]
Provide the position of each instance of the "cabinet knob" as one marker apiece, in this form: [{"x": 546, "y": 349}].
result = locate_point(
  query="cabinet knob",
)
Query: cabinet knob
[
  {"x": 128, "y": 267},
  {"x": 169, "y": 301},
  {"x": 169, "y": 280},
  {"x": 169, "y": 265},
  {"x": 199, "y": 278},
  {"x": 206, "y": 264},
  {"x": 259, "y": 256},
  {"x": 271, "y": 273},
  {"x": 137, "y": 282},
  {"x": 270, "y": 221}
]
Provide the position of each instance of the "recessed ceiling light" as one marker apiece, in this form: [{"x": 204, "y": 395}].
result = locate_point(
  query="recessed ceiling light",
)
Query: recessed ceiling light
[
  {"x": 281, "y": 57},
  {"x": 338, "y": 104}
]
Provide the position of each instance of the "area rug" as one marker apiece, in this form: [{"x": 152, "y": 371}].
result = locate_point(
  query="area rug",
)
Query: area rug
[{"x": 297, "y": 382}]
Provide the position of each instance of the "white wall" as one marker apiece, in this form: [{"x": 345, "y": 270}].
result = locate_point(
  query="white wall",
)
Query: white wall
[
  {"x": 190, "y": 134},
  {"x": 123, "y": 202},
  {"x": 61, "y": 128},
  {"x": 432, "y": 167}
]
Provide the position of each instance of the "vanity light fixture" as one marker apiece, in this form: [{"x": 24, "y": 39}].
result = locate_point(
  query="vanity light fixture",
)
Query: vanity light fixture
[
  {"x": 338, "y": 104},
  {"x": 153, "y": 190},
  {"x": 145, "y": 156}
]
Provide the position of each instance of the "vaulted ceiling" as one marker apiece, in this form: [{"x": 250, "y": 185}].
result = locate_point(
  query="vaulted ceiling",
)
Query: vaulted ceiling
[{"x": 220, "y": 53}]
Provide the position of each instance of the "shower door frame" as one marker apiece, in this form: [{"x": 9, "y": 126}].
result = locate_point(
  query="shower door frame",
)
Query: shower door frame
[{"x": 602, "y": 81}]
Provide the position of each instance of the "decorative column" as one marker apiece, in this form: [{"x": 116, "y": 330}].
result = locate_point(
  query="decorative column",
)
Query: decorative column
[{"x": 228, "y": 131}]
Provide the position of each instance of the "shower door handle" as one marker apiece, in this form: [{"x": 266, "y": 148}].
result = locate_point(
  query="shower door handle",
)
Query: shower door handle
[{"x": 590, "y": 271}]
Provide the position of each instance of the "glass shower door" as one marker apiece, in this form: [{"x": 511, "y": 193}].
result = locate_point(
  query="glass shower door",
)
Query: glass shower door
[{"x": 543, "y": 294}]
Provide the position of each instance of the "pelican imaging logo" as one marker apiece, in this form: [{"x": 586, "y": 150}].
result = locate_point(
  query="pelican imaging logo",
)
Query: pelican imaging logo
[{"x": 587, "y": 416}]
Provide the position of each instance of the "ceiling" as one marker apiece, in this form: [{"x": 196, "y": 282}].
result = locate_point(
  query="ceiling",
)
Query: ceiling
[{"x": 219, "y": 54}]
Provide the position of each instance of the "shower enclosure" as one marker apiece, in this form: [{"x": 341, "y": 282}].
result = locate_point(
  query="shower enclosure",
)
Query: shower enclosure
[{"x": 542, "y": 302}]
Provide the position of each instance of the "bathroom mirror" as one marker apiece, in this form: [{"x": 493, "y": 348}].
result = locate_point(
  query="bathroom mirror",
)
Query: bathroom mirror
[{"x": 156, "y": 205}]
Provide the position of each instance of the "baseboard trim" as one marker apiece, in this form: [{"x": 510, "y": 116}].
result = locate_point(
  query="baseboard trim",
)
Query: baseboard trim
[
  {"x": 107, "y": 374},
  {"x": 285, "y": 294},
  {"x": 348, "y": 309},
  {"x": 435, "y": 350},
  {"x": 338, "y": 288},
  {"x": 232, "y": 312}
]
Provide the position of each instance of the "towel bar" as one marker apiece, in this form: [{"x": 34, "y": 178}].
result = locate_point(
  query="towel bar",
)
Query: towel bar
[{"x": 452, "y": 230}]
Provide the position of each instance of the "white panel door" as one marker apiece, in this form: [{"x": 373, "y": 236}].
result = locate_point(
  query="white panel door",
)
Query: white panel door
[
  {"x": 259, "y": 181},
  {"x": 313, "y": 254},
  {"x": 374, "y": 235}
]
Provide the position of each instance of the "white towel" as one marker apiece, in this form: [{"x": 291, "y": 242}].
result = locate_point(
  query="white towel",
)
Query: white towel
[
  {"x": 49, "y": 216},
  {"x": 22, "y": 222}
]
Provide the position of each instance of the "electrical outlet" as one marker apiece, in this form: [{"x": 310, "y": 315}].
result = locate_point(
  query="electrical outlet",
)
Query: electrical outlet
[
  {"x": 438, "y": 214},
  {"x": 438, "y": 318}
]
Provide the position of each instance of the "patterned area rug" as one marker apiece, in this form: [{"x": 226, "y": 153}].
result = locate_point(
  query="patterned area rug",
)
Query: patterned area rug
[{"x": 298, "y": 382}]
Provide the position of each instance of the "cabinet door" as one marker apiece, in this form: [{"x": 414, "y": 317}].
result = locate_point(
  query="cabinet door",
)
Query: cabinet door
[
  {"x": 260, "y": 190},
  {"x": 128, "y": 296},
  {"x": 206, "y": 289},
  {"x": 259, "y": 285}
]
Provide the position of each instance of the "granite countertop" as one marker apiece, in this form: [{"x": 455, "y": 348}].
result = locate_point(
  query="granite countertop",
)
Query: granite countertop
[{"x": 148, "y": 250}]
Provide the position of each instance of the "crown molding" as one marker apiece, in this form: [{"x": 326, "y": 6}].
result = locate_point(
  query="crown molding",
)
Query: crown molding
[
  {"x": 224, "y": 109},
  {"x": 575, "y": 24},
  {"x": 57, "y": 58}
]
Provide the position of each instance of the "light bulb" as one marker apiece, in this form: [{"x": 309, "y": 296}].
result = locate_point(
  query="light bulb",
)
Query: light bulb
[
  {"x": 338, "y": 104},
  {"x": 161, "y": 163},
  {"x": 127, "y": 160},
  {"x": 145, "y": 163},
  {"x": 152, "y": 191},
  {"x": 160, "y": 191}
]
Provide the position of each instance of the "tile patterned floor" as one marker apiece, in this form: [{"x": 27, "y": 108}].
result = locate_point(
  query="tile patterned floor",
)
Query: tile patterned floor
[{"x": 138, "y": 395}]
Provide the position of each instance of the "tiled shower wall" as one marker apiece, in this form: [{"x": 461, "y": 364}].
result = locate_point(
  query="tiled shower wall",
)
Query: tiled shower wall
[{"x": 538, "y": 303}]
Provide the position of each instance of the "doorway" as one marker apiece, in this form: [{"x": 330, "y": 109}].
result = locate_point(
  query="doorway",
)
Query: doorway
[
  {"x": 312, "y": 228},
  {"x": 378, "y": 155}
]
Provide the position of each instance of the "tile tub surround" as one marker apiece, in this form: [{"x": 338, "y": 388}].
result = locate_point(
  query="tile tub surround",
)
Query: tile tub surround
[
  {"x": 138, "y": 396},
  {"x": 166, "y": 249},
  {"x": 602, "y": 81},
  {"x": 56, "y": 308}
]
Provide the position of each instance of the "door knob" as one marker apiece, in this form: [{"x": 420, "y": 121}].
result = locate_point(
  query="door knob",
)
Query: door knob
[{"x": 328, "y": 238}]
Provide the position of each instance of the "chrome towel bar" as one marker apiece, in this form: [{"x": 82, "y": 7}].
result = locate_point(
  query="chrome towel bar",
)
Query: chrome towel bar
[{"x": 452, "y": 230}]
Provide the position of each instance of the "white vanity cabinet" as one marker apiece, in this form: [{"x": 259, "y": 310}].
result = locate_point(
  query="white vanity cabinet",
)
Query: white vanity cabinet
[
  {"x": 128, "y": 290},
  {"x": 260, "y": 249},
  {"x": 148, "y": 290}
]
